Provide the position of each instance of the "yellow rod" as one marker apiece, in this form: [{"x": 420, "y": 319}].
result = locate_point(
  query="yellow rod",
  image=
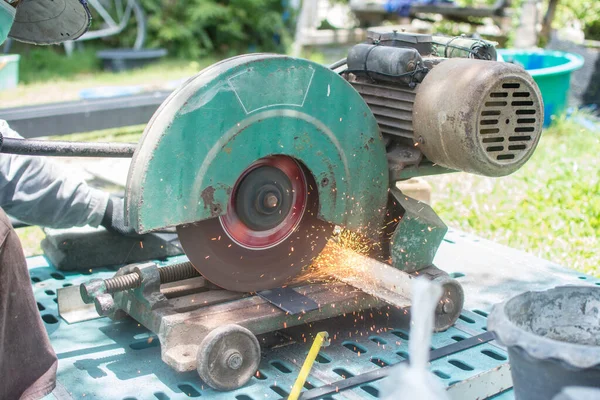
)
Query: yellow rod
[{"x": 308, "y": 363}]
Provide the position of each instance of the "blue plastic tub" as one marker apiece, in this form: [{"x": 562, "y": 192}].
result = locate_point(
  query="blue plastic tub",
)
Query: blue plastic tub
[
  {"x": 9, "y": 71},
  {"x": 104, "y": 92},
  {"x": 551, "y": 70}
]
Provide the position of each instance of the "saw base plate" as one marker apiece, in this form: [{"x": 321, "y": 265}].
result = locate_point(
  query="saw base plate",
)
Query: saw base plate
[
  {"x": 184, "y": 318},
  {"x": 122, "y": 360}
]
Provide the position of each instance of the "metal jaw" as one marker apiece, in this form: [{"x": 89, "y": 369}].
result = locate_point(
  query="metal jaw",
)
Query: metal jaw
[{"x": 143, "y": 280}]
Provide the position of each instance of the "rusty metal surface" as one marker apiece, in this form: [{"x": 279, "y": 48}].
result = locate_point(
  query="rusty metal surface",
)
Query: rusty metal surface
[
  {"x": 220, "y": 248},
  {"x": 183, "y": 319},
  {"x": 400, "y": 157},
  {"x": 510, "y": 134},
  {"x": 182, "y": 329},
  {"x": 184, "y": 287},
  {"x": 245, "y": 108},
  {"x": 458, "y": 126},
  {"x": 452, "y": 302}
]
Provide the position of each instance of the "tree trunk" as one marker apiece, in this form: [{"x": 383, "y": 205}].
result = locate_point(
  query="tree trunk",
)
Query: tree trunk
[{"x": 547, "y": 22}]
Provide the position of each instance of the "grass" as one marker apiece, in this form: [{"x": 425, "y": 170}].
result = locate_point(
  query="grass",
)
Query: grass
[
  {"x": 31, "y": 238},
  {"x": 551, "y": 207},
  {"x": 68, "y": 76},
  {"x": 41, "y": 64},
  {"x": 130, "y": 134}
]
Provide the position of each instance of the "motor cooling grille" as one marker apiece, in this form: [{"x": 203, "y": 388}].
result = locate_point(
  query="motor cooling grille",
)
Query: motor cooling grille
[
  {"x": 392, "y": 106},
  {"x": 509, "y": 121}
]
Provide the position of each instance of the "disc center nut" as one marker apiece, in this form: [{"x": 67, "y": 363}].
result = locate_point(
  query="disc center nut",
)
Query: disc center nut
[
  {"x": 235, "y": 360},
  {"x": 271, "y": 200}
]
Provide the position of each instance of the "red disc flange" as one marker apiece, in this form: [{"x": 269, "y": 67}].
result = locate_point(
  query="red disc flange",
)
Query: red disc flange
[
  {"x": 295, "y": 189},
  {"x": 268, "y": 234}
]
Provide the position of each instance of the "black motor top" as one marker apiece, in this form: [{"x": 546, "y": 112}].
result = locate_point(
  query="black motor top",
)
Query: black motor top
[
  {"x": 393, "y": 38},
  {"x": 386, "y": 63}
]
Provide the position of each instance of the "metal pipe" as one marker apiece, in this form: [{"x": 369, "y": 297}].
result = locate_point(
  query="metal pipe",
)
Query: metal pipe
[
  {"x": 66, "y": 149},
  {"x": 338, "y": 63}
]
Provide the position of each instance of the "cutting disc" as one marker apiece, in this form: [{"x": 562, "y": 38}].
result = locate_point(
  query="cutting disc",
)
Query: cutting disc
[{"x": 269, "y": 233}]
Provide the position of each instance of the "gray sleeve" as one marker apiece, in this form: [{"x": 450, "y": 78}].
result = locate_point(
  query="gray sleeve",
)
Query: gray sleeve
[{"x": 38, "y": 191}]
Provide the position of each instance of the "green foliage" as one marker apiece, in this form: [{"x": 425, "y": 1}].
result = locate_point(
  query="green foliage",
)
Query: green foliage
[
  {"x": 550, "y": 207},
  {"x": 474, "y": 3},
  {"x": 587, "y": 12},
  {"x": 592, "y": 30},
  {"x": 195, "y": 28},
  {"x": 50, "y": 63},
  {"x": 450, "y": 28}
]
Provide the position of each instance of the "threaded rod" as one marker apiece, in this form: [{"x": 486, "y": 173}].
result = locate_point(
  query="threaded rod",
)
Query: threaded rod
[
  {"x": 177, "y": 272},
  {"x": 123, "y": 282},
  {"x": 170, "y": 273}
]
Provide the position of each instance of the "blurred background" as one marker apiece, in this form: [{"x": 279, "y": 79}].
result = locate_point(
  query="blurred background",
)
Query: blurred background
[{"x": 550, "y": 208}]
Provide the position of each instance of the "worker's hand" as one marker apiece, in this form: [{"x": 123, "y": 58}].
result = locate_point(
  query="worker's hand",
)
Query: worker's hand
[{"x": 114, "y": 217}]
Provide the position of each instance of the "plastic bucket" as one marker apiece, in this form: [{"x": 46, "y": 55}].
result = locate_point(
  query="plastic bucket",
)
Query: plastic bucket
[
  {"x": 104, "y": 92},
  {"x": 553, "y": 339},
  {"x": 9, "y": 71},
  {"x": 551, "y": 70}
]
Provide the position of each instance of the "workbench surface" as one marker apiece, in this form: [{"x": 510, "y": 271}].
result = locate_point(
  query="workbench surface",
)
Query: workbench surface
[{"x": 102, "y": 359}]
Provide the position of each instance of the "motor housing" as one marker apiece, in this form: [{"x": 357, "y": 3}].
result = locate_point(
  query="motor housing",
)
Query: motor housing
[
  {"x": 478, "y": 116},
  {"x": 464, "y": 114}
]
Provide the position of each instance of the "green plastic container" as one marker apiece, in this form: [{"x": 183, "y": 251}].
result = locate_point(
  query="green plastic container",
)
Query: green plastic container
[
  {"x": 9, "y": 71},
  {"x": 551, "y": 70}
]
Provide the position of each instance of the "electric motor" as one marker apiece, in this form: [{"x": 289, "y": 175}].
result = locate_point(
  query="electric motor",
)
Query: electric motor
[
  {"x": 469, "y": 114},
  {"x": 478, "y": 116}
]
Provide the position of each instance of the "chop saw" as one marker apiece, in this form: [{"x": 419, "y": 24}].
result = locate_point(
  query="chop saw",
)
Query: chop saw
[{"x": 259, "y": 159}]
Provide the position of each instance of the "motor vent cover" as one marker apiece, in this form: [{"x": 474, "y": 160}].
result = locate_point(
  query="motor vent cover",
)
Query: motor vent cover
[
  {"x": 483, "y": 117},
  {"x": 509, "y": 121}
]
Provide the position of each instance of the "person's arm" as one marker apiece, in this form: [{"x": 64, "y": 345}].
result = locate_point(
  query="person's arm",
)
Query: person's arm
[{"x": 38, "y": 191}]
